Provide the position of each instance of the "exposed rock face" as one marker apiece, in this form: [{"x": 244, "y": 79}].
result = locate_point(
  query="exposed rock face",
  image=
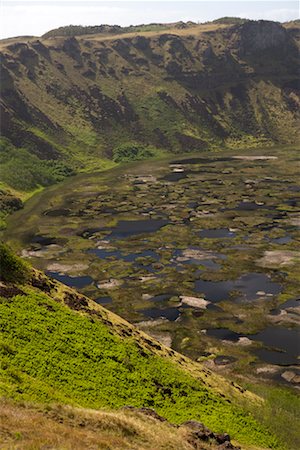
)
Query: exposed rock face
[
  {"x": 171, "y": 89},
  {"x": 200, "y": 433},
  {"x": 260, "y": 36}
]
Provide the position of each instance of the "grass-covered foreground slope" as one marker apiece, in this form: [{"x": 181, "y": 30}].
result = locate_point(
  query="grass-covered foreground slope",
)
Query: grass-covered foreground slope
[{"x": 58, "y": 346}]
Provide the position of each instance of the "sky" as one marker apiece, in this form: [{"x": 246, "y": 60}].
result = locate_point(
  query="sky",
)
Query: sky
[{"x": 36, "y": 17}]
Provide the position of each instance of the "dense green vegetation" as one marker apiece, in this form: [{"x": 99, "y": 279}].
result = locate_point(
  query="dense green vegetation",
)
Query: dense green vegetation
[
  {"x": 8, "y": 204},
  {"x": 230, "y": 20},
  {"x": 49, "y": 353},
  {"x": 282, "y": 409},
  {"x": 24, "y": 171},
  {"x": 78, "y": 30},
  {"x": 132, "y": 152},
  {"x": 12, "y": 268}
]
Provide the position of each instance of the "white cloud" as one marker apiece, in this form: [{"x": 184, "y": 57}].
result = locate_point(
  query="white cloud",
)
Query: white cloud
[
  {"x": 276, "y": 14},
  {"x": 38, "y": 19},
  {"x": 283, "y": 14}
]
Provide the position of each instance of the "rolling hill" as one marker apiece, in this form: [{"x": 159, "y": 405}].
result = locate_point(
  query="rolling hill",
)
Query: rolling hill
[{"x": 69, "y": 100}]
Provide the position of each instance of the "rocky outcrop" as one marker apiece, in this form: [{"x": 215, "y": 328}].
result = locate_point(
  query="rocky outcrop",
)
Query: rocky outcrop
[
  {"x": 262, "y": 35},
  {"x": 199, "y": 433}
]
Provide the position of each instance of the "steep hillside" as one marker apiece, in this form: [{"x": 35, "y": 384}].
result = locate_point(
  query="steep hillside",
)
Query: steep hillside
[
  {"x": 59, "y": 346},
  {"x": 68, "y": 103}
]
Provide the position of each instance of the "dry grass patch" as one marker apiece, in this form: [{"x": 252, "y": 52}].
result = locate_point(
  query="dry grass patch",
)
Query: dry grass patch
[{"x": 60, "y": 427}]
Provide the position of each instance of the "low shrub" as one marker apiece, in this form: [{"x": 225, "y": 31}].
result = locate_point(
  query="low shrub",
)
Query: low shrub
[
  {"x": 131, "y": 151},
  {"x": 12, "y": 268}
]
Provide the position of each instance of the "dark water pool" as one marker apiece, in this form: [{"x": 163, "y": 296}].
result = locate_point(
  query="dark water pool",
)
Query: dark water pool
[
  {"x": 248, "y": 287},
  {"x": 78, "y": 282},
  {"x": 293, "y": 303},
  {"x": 127, "y": 228},
  {"x": 104, "y": 300},
  {"x": 253, "y": 283},
  {"x": 43, "y": 240},
  {"x": 294, "y": 202},
  {"x": 175, "y": 176},
  {"x": 214, "y": 291},
  {"x": 250, "y": 206},
  {"x": 283, "y": 343},
  {"x": 163, "y": 297},
  {"x": 169, "y": 313},
  {"x": 223, "y": 334},
  {"x": 282, "y": 240}
]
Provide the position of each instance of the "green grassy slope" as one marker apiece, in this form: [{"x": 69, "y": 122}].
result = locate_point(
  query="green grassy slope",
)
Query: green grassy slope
[{"x": 58, "y": 346}]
